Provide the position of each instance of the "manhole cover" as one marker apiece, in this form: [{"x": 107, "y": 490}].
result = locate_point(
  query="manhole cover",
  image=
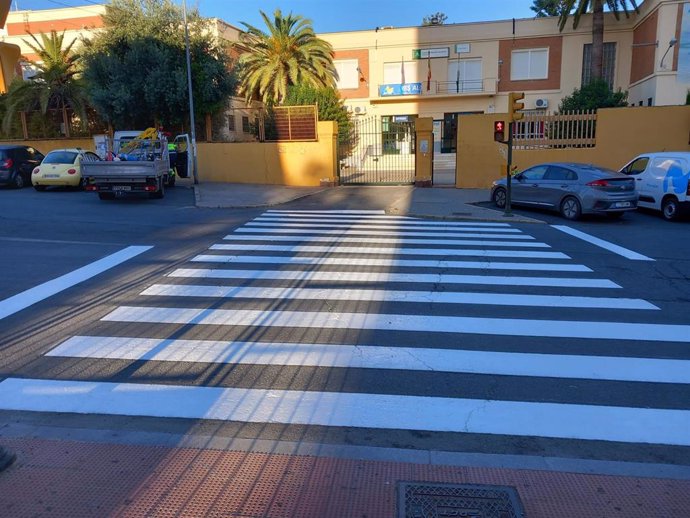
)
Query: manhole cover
[{"x": 418, "y": 500}]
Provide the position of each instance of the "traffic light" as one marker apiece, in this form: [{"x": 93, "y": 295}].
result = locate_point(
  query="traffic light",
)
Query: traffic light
[
  {"x": 514, "y": 106},
  {"x": 499, "y": 131}
]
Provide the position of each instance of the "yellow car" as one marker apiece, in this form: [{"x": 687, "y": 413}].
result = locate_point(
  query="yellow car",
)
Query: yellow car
[{"x": 61, "y": 167}]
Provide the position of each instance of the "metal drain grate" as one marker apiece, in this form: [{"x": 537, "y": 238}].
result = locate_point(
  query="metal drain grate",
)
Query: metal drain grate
[{"x": 420, "y": 500}]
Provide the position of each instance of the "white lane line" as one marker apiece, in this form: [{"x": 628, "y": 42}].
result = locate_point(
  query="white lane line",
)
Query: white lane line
[
  {"x": 373, "y": 295},
  {"x": 345, "y": 237},
  {"x": 407, "y": 263},
  {"x": 27, "y": 298},
  {"x": 491, "y": 233},
  {"x": 396, "y": 322},
  {"x": 335, "y": 212},
  {"x": 393, "y": 241},
  {"x": 650, "y": 370},
  {"x": 444, "y": 252},
  {"x": 629, "y": 254},
  {"x": 373, "y": 277},
  {"x": 358, "y": 226},
  {"x": 383, "y": 411},
  {"x": 388, "y": 220}
]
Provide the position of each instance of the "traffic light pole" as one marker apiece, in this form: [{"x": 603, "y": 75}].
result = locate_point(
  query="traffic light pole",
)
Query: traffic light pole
[{"x": 507, "y": 212}]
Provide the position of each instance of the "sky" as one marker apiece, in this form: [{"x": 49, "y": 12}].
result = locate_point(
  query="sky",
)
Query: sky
[{"x": 333, "y": 15}]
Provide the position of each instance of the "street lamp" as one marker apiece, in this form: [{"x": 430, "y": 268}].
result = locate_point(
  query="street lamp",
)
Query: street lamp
[
  {"x": 191, "y": 97},
  {"x": 671, "y": 44}
]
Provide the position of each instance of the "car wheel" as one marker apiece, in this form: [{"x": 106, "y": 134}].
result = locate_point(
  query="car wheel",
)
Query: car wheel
[
  {"x": 615, "y": 215},
  {"x": 18, "y": 181},
  {"x": 571, "y": 208},
  {"x": 499, "y": 198},
  {"x": 40, "y": 188},
  {"x": 670, "y": 208},
  {"x": 106, "y": 196}
]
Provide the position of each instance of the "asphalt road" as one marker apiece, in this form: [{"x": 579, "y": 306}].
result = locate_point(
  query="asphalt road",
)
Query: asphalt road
[{"x": 46, "y": 235}]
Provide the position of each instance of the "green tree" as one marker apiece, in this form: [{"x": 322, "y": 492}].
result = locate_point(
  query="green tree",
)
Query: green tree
[
  {"x": 437, "y": 18},
  {"x": 596, "y": 7},
  {"x": 288, "y": 54},
  {"x": 595, "y": 95},
  {"x": 56, "y": 85},
  {"x": 545, "y": 8},
  {"x": 135, "y": 68},
  {"x": 330, "y": 105}
]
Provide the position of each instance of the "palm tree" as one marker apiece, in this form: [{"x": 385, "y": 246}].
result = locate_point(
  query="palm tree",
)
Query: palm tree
[
  {"x": 581, "y": 7},
  {"x": 288, "y": 54},
  {"x": 56, "y": 85}
]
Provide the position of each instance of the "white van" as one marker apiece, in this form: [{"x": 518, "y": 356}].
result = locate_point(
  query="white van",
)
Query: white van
[{"x": 662, "y": 181}]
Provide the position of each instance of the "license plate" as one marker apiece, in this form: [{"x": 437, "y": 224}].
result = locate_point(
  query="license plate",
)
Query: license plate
[
  {"x": 121, "y": 188},
  {"x": 51, "y": 176},
  {"x": 622, "y": 204}
]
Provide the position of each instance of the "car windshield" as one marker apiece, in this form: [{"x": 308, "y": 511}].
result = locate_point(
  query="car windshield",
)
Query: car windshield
[{"x": 60, "y": 157}]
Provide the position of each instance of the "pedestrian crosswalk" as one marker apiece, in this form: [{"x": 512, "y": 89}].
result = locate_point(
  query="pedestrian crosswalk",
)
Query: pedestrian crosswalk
[{"x": 432, "y": 308}]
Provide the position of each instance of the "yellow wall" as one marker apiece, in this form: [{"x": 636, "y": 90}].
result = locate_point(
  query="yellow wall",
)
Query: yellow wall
[
  {"x": 47, "y": 145},
  {"x": 276, "y": 163},
  {"x": 622, "y": 133}
]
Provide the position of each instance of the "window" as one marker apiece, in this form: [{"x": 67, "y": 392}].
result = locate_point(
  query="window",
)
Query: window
[
  {"x": 637, "y": 166},
  {"x": 465, "y": 75},
  {"x": 535, "y": 173},
  {"x": 529, "y": 64},
  {"x": 400, "y": 72},
  {"x": 609, "y": 70},
  {"x": 348, "y": 73},
  {"x": 560, "y": 174},
  {"x": 231, "y": 122},
  {"x": 245, "y": 125}
]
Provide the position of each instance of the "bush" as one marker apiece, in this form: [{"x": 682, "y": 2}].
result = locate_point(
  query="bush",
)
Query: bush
[{"x": 595, "y": 95}]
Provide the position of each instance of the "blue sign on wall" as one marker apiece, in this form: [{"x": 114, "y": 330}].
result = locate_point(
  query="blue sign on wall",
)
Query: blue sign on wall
[{"x": 400, "y": 89}]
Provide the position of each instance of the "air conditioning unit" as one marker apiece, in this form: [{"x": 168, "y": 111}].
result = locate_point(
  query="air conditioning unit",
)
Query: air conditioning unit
[
  {"x": 360, "y": 110},
  {"x": 541, "y": 103}
]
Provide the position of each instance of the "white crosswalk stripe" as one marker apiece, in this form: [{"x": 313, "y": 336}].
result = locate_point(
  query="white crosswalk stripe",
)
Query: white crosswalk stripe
[
  {"x": 343, "y": 290},
  {"x": 371, "y": 277},
  {"x": 370, "y": 295}
]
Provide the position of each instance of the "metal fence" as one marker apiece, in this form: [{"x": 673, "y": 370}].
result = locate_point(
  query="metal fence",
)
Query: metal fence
[
  {"x": 563, "y": 130},
  {"x": 292, "y": 123}
]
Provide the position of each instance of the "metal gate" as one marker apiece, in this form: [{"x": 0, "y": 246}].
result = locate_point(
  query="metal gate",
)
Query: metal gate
[{"x": 377, "y": 151}]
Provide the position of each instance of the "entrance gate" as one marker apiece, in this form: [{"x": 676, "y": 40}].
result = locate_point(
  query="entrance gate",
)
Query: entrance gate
[{"x": 379, "y": 152}]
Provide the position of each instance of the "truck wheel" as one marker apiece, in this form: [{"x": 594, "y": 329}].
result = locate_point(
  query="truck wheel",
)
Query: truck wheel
[
  {"x": 670, "y": 208},
  {"x": 160, "y": 193},
  {"x": 171, "y": 180},
  {"x": 106, "y": 196}
]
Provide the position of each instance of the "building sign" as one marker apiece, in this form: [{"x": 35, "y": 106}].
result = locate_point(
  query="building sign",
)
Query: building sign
[
  {"x": 400, "y": 89},
  {"x": 684, "y": 47},
  {"x": 462, "y": 48},
  {"x": 443, "y": 52}
]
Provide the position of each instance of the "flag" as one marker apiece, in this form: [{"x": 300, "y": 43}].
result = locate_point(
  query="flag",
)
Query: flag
[
  {"x": 402, "y": 71},
  {"x": 428, "y": 74}
]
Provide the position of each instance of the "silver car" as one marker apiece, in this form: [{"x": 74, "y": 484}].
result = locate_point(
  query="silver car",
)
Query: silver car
[{"x": 572, "y": 189}]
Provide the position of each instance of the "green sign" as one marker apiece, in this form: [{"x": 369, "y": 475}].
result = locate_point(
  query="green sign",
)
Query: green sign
[{"x": 442, "y": 52}]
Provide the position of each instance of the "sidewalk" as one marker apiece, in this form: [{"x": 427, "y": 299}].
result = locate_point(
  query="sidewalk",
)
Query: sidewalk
[
  {"x": 66, "y": 478},
  {"x": 438, "y": 203}
]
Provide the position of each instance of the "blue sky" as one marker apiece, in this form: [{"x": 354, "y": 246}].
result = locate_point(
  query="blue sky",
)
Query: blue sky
[{"x": 332, "y": 16}]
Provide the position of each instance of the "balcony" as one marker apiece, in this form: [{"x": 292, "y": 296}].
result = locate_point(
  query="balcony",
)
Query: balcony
[{"x": 435, "y": 89}]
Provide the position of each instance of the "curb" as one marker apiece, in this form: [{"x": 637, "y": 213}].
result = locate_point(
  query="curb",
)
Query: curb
[
  {"x": 6, "y": 458},
  {"x": 198, "y": 203}
]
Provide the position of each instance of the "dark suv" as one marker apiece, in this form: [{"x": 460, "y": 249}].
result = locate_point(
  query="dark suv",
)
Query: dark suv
[{"x": 16, "y": 164}]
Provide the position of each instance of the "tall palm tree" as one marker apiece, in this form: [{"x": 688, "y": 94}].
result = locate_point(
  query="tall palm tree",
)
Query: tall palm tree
[
  {"x": 596, "y": 7},
  {"x": 56, "y": 84},
  {"x": 289, "y": 53}
]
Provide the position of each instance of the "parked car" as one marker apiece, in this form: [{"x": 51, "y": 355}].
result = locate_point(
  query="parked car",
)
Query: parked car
[
  {"x": 572, "y": 189},
  {"x": 61, "y": 167},
  {"x": 662, "y": 181},
  {"x": 16, "y": 163}
]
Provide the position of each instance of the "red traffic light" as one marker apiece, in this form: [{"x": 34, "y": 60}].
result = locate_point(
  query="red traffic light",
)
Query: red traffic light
[{"x": 499, "y": 131}]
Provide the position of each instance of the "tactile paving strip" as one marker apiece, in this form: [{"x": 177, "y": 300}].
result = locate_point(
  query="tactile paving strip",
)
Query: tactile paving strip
[{"x": 66, "y": 479}]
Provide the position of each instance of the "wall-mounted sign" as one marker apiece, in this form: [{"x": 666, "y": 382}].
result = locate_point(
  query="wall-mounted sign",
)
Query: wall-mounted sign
[
  {"x": 400, "y": 89},
  {"x": 462, "y": 48},
  {"x": 443, "y": 52}
]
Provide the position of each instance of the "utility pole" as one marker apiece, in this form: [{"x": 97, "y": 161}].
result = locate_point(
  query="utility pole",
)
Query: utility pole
[{"x": 195, "y": 169}]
